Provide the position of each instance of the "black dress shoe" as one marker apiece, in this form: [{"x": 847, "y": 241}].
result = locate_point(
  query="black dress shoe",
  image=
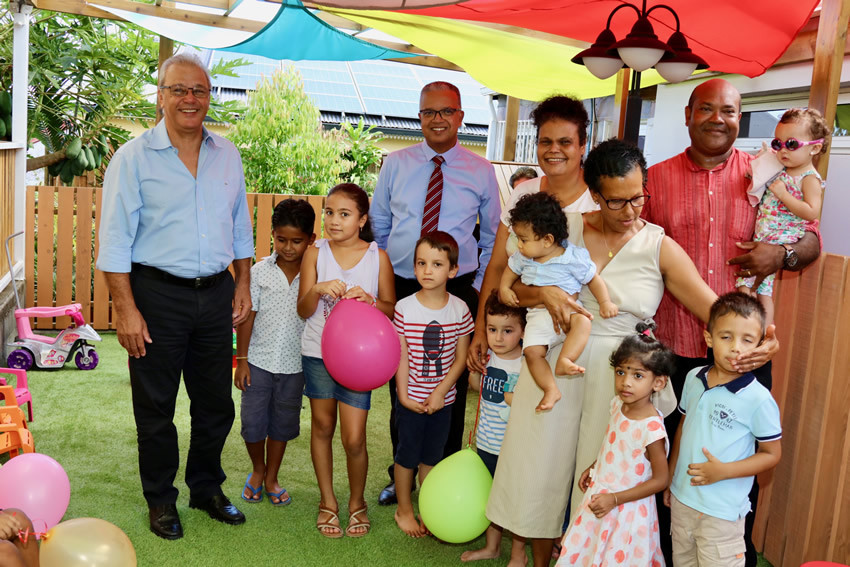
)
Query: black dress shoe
[
  {"x": 165, "y": 521},
  {"x": 219, "y": 508},
  {"x": 387, "y": 495}
]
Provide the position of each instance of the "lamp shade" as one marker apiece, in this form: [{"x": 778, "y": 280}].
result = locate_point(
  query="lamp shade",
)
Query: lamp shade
[
  {"x": 678, "y": 63},
  {"x": 603, "y": 67},
  {"x": 674, "y": 72},
  {"x": 641, "y": 49},
  {"x": 599, "y": 58}
]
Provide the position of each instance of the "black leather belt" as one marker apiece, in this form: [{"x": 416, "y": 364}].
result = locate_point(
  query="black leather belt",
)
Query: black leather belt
[{"x": 196, "y": 283}]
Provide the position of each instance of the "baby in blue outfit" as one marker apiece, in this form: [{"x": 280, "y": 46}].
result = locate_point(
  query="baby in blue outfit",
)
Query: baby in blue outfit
[{"x": 546, "y": 258}]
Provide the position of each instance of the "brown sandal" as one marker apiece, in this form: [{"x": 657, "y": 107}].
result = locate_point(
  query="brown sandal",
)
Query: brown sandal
[
  {"x": 355, "y": 522},
  {"x": 334, "y": 517}
]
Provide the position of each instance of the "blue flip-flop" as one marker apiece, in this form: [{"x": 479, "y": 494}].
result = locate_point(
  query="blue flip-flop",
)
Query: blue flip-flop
[
  {"x": 254, "y": 492},
  {"x": 280, "y": 500}
]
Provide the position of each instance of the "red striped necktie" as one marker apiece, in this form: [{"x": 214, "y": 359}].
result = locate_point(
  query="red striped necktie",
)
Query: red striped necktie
[{"x": 433, "y": 198}]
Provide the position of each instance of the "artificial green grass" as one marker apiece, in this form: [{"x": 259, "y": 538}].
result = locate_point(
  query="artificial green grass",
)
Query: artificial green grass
[{"x": 84, "y": 420}]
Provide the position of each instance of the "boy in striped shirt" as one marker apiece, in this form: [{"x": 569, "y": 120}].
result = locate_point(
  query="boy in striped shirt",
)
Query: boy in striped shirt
[{"x": 434, "y": 327}]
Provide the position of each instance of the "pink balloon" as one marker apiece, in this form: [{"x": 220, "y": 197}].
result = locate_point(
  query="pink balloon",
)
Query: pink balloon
[
  {"x": 38, "y": 485},
  {"x": 360, "y": 346}
]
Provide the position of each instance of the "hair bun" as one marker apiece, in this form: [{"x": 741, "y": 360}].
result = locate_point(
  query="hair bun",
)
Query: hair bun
[{"x": 646, "y": 327}]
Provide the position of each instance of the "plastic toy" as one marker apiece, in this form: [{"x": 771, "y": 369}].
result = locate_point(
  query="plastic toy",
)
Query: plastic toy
[{"x": 46, "y": 351}]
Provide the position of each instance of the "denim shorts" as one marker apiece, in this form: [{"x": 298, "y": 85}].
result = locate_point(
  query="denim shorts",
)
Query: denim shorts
[
  {"x": 320, "y": 385},
  {"x": 490, "y": 460},
  {"x": 271, "y": 406},
  {"x": 421, "y": 437}
]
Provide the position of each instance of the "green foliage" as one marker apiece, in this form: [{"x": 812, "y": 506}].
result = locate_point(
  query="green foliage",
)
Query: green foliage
[
  {"x": 283, "y": 146},
  {"x": 83, "y": 74},
  {"x": 363, "y": 152}
]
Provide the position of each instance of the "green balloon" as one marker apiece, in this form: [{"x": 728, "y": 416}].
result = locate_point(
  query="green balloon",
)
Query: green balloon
[{"x": 454, "y": 496}]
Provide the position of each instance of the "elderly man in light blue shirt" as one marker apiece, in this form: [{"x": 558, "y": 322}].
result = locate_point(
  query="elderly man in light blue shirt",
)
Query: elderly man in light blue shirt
[
  {"x": 174, "y": 218},
  {"x": 400, "y": 215}
]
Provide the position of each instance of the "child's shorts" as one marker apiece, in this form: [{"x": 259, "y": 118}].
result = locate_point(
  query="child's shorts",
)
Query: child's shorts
[
  {"x": 700, "y": 539},
  {"x": 421, "y": 437},
  {"x": 320, "y": 385},
  {"x": 271, "y": 406},
  {"x": 490, "y": 460},
  {"x": 539, "y": 330}
]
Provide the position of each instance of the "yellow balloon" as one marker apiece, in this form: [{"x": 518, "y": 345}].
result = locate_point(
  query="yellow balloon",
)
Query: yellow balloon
[{"x": 86, "y": 542}]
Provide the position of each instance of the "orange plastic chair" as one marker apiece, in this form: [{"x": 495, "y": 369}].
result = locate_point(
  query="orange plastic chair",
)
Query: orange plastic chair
[
  {"x": 15, "y": 438},
  {"x": 22, "y": 391}
]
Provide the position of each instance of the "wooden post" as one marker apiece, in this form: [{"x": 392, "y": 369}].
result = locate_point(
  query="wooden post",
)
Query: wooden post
[
  {"x": 511, "y": 118},
  {"x": 621, "y": 99},
  {"x": 826, "y": 68},
  {"x": 166, "y": 50}
]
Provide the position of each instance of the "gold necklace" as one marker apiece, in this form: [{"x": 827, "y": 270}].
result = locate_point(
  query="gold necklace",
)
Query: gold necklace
[{"x": 610, "y": 252}]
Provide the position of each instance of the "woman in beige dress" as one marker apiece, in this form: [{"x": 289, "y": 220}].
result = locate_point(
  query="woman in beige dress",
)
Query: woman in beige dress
[{"x": 537, "y": 462}]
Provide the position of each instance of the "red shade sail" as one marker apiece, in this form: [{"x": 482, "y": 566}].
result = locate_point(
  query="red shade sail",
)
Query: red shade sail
[{"x": 733, "y": 36}]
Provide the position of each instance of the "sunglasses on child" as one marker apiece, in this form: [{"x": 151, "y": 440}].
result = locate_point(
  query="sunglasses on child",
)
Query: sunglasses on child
[{"x": 792, "y": 143}]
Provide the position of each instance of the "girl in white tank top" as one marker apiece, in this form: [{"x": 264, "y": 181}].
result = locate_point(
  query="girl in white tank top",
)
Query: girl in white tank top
[{"x": 343, "y": 266}]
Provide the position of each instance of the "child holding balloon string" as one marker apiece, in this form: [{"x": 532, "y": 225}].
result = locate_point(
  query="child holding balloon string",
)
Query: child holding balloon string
[
  {"x": 618, "y": 522},
  {"x": 346, "y": 265},
  {"x": 268, "y": 349},
  {"x": 504, "y": 326},
  {"x": 18, "y": 545},
  {"x": 434, "y": 329}
]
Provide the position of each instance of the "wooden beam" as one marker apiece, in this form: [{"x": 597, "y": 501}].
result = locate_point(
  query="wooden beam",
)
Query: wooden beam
[
  {"x": 511, "y": 119},
  {"x": 82, "y": 8},
  {"x": 621, "y": 99},
  {"x": 428, "y": 61},
  {"x": 166, "y": 50},
  {"x": 826, "y": 68}
]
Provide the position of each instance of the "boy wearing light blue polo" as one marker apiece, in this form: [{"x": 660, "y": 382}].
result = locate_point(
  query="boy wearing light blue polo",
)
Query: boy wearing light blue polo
[{"x": 714, "y": 457}]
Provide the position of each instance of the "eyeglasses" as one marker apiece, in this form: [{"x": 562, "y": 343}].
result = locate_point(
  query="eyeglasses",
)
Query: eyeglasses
[
  {"x": 617, "y": 204},
  {"x": 180, "y": 91},
  {"x": 429, "y": 114},
  {"x": 792, "y": 143}
]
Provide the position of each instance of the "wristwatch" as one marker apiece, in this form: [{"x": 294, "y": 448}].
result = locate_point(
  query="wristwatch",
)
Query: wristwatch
[{"x": 791, "y": 257}]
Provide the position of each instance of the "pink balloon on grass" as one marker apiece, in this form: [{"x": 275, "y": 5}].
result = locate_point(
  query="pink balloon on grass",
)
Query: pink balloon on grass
[
  {"x": 38, "y": 485},
  {"x": 360, "y": 346}
]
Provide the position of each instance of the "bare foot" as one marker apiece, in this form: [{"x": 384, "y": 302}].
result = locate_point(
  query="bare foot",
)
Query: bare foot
[
  {"x": 478, "y": 554},
  {"x": 550, "y": 398},
  {"x": 408, "y": 524},
  {"x": 518, "y": 561},
  {"x": 566, "y": 367}
]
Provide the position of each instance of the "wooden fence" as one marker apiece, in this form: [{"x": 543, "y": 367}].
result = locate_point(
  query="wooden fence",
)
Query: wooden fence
[
  {"x": 7, "y": 202},
  {"x": 61, "y": 238},
  {"x": 804, "y": 513}
]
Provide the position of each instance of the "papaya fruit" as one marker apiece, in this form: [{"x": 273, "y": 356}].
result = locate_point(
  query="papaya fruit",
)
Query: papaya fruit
[
  {"x": 67, "y": 174},
  {"x": 75, "y": 146},
  {"x": 5, "y": 103},
  {"x": 82, "y": 161},
  {"x": 104, "y": 145},
  {"x": 90, "y": 159},
  {"x": 55, "y": 168},
  {"x": 2, "y": 129},
  {"x": 7, "y": 121}
]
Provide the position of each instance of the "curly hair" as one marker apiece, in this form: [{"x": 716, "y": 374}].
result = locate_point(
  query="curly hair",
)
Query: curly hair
[
  {"x": 643, "y": 346},
  {"x": 495, "y": 307},
  {"x": 612, "y": 158},
  {"x": 543, "y": 213},
  {"x": 818, "y": 128},
  {"x": 741, "y": 304},
  {"x": 297, "y": 213},
  {"x": 562, "y": 107}
]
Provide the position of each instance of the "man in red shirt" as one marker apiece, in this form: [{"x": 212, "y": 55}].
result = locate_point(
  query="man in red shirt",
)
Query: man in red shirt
[{"x": 700, "y": 199}]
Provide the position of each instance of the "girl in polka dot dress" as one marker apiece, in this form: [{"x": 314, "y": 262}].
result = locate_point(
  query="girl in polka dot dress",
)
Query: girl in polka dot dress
[{"x": 618, "y": 523}]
